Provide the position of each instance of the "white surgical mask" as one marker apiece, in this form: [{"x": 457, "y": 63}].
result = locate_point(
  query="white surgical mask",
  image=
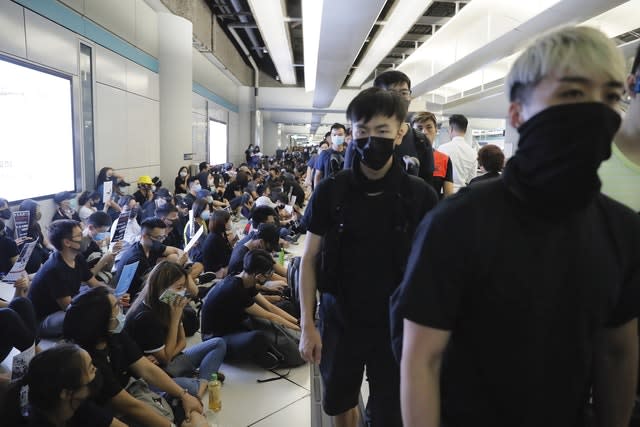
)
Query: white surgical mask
[
  {"x": 183, "y": 174},
  {"x": 120, "y": 318},
  {"x": 153, "y": 188},
  {"x": 197, "y": 187},
  {"x": 337, "y": 139},
  {"x": 101, "y": 236}
]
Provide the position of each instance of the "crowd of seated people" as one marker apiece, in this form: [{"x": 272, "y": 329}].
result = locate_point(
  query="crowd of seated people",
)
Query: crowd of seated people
[{"x": 104, "y": 341}]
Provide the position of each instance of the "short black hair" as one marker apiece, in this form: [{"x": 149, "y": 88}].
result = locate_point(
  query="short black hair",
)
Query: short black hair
[
  {"x": 327, "y": 135},
  {"x": 151, "y": 223},
  {"x": 83, "y": 198},
  {"x": 375, "y": 101},
  {"x": 165, "y": 210},
  {"x": 324, "y": 142},
  {"x": 100, "y": 219},
  {"x": 257, "y": 261},
  {"x": 60, "y": 230},
  {"x": 199, "y": 206},
  {"x": 260, "y": 215},
  {"x": 390, "y": 78},
  {"x": 338, "y": 126},
  {"x": 458, "y": 122},
  {"x": 491, "y": 158},
  {"x": 191, "y": 179},
  {"x": 87, "y": 319},
  {"x": 203, "y": 165}
]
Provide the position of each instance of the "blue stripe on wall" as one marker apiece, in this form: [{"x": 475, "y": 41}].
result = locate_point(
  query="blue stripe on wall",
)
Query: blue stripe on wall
[
  {"x": 203, "y": 91},
  {"x": 68, "y": 18}
]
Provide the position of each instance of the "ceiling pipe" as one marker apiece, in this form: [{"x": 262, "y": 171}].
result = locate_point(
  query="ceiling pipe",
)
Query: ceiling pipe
[
  {"x": 236, "y": 36},
  {"x": 250, "y": 31}
]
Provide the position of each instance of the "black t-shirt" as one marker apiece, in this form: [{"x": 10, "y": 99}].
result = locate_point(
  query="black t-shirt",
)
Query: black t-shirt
[
  {"x": 136, "y": 253},
  {"x": 93, "y": 251},
  {"x": 371, "y": 258},
  {"x": 59, "y": 215},
  {"x": 223, "y": 308},
  {"x": 216, "y": 252},
  {"x": 88, "y": 414},
  {"x": 8, "y": 250},
  {"x": 177, "y": 183},
  {"x": 114, "y": 362},
  {"x": 524, "y": 298},
  {"x": 146, "y": 329},
  {"x": 485, "y": 177},
  {"x": 236, "y": 262},
  {"x": 55, "y": 280},
  {"x": 175, "y": 237}
]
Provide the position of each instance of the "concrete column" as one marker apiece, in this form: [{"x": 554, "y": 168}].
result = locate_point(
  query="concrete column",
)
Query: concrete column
[{"x": 175, "y": 61}]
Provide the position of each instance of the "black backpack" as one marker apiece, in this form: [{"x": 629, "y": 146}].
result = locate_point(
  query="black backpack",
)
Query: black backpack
[
  {"x": 293, "y": 278},
  {"x": 406, "y": 221}
]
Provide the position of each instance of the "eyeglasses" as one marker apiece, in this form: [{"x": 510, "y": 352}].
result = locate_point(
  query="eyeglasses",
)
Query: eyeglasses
[
  {"x": 159, "y": 238},
  {"x": 403, "y": 92}
]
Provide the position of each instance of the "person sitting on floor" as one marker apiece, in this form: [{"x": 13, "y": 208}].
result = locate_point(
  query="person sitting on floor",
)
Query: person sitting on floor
[
  {"x": 155, "y": 324},
  {"x": 227, "y": 306}
]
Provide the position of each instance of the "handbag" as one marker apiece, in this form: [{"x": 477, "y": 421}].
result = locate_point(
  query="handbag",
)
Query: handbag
[
  {"x": 139, "y": 389},
  {"x": 180, "y": 366}
]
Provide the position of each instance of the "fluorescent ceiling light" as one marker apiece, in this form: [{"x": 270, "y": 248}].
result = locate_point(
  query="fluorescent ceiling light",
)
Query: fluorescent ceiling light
[
  {"x": 269, "y": 15},
  {"x": 404, "y": 14},
  {"x": 311, "y": 19},
  {"x": 477, "y": 24}
]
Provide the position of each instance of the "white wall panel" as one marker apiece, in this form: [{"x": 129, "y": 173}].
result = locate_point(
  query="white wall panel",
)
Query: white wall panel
[
  {"x": 110, "y": 127},
  {"x": 111, "y": 68},
  {"x": 199, "y": 129},
  {"x": 77, "y": 5},
  {"x": 142, "y": 81},
  {"x": 198, "y": 104},
  {"x": 118, "y": 16},
  {"x": 143, "y": 137},
  {"x": 131, "y": 175},
  {"x": 209, "y": 76},
  {"x": 146, "y": 28},
  {"x": 50, "y": 44},
  {"x": 12, "y": 29},
  {"x": 236, "y": 148}
]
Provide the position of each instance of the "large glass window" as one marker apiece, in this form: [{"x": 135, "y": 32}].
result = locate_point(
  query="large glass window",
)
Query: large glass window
[
  {"x": 36, "y": 131},
  {"x": 218, "y": 140}
]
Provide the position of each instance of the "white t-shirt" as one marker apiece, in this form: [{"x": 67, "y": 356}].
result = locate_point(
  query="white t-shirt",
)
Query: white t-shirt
[
  {"x": 621, "y": 179},
  {"x": 464, "y": 160}
]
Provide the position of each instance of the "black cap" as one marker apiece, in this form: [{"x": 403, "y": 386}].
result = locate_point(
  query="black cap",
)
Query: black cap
[{"x": 62, "y": 196}]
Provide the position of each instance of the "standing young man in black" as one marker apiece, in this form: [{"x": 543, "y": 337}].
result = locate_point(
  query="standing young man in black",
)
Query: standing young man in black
[
  {"x": 414, "y": 143},
  {"x": 539, "y": 305},
  {"x": 361, "y": 222}
]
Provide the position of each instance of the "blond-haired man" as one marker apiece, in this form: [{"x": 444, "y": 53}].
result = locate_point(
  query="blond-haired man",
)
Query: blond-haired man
[{"x": 539, "y": 307}]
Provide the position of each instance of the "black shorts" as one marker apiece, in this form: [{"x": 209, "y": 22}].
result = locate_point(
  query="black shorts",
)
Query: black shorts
[{"x": 346, "y": 350}]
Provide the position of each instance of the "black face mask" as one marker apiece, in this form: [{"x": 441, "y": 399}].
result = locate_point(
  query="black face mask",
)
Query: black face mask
[
  {"x": 560, "y": 150},
  {"x": 375, "y": 151},
  {"x": 5, "y": 214}
]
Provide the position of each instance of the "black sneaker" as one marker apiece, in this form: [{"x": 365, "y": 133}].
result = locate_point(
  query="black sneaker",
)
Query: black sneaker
[{"x": 206, "y": 277}]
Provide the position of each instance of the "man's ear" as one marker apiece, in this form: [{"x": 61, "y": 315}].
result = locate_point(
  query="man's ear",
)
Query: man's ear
[
  {"x": 404, "y": 128},
  {"x": 515, "y": 114}
]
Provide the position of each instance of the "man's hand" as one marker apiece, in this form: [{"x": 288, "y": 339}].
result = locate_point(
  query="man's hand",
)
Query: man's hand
[
  {"x": 125, "y": 300},
  {"x": 21, "y": 240},
  {"x": 274, "y": 285},
  {"x": 310, "y": 344},
  {"x": 191, "y": 404},
  {"x": 117, "y": 247}
]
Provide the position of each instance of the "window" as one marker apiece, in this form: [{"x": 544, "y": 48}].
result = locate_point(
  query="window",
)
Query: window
[
  {"x": 217, "y": 142},
  {"x": 36, "y": 130}
]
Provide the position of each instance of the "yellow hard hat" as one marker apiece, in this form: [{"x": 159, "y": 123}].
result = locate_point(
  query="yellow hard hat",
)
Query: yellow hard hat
[{"x": 145, "y": 179}]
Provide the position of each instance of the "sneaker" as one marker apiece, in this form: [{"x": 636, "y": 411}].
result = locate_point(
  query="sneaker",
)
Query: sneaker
[{"x": 206, "y": 277}]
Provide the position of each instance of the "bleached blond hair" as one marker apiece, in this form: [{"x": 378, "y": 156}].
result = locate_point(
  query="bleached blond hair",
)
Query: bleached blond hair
[{"x": 569, "y": 47}]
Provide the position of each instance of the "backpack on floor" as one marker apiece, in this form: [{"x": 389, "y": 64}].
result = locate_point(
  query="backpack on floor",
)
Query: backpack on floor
[
  {"x": 284, "y": 341},
  {"x": 293, "y": 279}
]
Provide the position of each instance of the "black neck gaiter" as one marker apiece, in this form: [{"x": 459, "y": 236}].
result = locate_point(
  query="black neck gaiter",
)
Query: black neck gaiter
[{"x": 555, "y": 170}]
